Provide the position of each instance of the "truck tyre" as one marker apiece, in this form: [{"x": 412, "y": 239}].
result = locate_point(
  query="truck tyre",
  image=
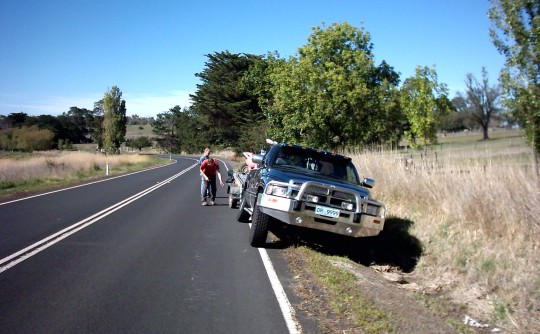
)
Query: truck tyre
[
  {"x": 233, "y": 202},
  {"x": 259, "y": 228},
  {"x": 243, "y": 215}
]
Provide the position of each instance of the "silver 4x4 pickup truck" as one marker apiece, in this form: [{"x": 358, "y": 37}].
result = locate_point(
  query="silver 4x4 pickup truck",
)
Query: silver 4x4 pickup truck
[{"x": 309, "y": 188}]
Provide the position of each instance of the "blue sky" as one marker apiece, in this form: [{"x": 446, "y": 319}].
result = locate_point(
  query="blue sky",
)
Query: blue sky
[{"x": 57, "y": 54}]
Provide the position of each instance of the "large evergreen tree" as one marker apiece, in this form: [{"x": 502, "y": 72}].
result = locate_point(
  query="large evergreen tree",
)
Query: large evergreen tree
[
  {"x": 16, "y": 119},
  {"x": 178, "y": 131},
  {"x": 164, "y": 126},
  {"x": 188, "y": 126},
  {"x": 75, "y": 125},
  {"x": 95, "y": 124},
  {"x": 221, "y": 103}
]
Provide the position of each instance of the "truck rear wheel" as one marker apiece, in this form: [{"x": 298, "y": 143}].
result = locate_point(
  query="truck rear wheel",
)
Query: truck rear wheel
[
  {"x": 259, "y": 228},
  {"x": 243, "y": 215}
]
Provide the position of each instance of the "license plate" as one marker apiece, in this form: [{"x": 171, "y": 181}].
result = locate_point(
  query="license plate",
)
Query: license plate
[{"x": 327, "y": 212}]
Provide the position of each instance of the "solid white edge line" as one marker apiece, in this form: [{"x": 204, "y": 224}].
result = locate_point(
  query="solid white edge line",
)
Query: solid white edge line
[{"x": 284, "y": 304}]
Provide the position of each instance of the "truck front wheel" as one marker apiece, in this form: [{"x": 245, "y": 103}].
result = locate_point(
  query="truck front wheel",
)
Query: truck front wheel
[
  {"x": 259, "y": 227},
  {"x": 243, "y": 215}
]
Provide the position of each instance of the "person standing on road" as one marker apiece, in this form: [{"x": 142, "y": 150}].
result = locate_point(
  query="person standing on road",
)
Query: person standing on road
[
  {"x": 205, "y": 156},
  {"x": 209, "y": 171}
]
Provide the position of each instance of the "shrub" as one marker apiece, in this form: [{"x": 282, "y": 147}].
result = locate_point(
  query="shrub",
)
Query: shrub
[{"x": 26, "y": 139}]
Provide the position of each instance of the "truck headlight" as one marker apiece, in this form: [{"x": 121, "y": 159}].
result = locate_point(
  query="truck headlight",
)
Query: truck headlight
[
  {"x": 372, "y": 210},
  {"x": 275, "y": 190},
  {"x": 347, "y": 206},
  {"x": 313, "y": 199}
]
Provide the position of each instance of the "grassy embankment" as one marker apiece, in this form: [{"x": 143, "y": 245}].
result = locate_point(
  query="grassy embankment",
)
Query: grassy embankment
[
  {"x": 37, "y": 171},
  {"x": 24, "y": 172},
  {"x": 473, "y": 207}
]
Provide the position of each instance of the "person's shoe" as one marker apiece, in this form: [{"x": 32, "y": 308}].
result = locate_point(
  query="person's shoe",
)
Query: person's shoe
[
  {"x": 211, "y": 202},
  {"x": 204, "y": 203}
]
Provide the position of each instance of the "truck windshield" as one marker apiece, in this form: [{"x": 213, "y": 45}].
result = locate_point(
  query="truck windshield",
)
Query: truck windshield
[{"x": 311, "y": 161}]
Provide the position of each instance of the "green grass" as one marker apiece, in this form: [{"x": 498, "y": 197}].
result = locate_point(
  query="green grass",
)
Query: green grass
[
  {"x": 133, "y": 131},
  {"x": 467, "y": 148},
  {"x": 500, "y": 310},
  {"x": 344, "y": 297}
]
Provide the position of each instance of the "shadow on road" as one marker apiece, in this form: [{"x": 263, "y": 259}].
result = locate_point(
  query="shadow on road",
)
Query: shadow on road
[{"x": 394, "y": 246}]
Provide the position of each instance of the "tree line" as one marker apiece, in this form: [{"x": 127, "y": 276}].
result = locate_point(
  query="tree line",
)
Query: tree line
[
  {"x": 105, "y": 125},
  {"x": 332, "y": 94}
]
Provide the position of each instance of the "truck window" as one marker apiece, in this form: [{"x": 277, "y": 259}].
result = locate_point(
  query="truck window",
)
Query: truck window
[{"x": 311, "y": 161}]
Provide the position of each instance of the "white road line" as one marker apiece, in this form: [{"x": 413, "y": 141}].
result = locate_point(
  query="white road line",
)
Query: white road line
[
  {"x": 18, "y": 257},
  {"x": 284, "y": 304}
]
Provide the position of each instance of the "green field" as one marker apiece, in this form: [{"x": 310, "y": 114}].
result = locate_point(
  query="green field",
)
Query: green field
[
  {"x": 134, "y": 131},
  {"x": 465, "y": 148}
]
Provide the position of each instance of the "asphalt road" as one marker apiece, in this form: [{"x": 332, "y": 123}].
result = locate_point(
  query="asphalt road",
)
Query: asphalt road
[{"x": 133, "y": 254}]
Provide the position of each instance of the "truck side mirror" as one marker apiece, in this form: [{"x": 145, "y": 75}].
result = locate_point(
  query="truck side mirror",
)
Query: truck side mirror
[
  {"x": 257, "y": 158},
  {"x": 368, "y": 183}
]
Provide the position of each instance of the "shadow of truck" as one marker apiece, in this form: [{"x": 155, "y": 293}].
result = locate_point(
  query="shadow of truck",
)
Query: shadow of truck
[{"x": 394, "y": 246}]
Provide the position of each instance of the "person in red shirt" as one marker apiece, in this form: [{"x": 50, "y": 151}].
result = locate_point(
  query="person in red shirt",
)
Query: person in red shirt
[{"x": 209, "y": 171}]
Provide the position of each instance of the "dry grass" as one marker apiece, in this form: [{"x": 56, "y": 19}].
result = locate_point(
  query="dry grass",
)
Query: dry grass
[
  {"x": 478, "y": 222},
  {"x": 62, "y": 166}
]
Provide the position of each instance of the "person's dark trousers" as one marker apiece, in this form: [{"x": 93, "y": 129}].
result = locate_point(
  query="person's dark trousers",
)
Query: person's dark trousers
[{"x": 211, "y": 183}]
